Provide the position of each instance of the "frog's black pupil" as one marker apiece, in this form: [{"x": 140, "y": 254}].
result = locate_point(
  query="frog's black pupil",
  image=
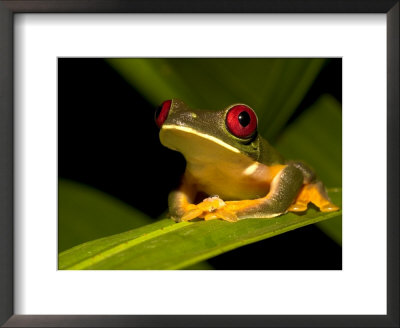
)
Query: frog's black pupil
[
  {"x": 158, "y": 110},
  {"x": 244, "y": 119}
]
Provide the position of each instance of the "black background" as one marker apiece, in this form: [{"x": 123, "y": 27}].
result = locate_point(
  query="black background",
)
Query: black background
[{"x": 107, "y": 139}]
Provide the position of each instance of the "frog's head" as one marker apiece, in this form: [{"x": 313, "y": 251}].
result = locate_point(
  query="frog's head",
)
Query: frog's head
[{"x": 206, "y": 136}]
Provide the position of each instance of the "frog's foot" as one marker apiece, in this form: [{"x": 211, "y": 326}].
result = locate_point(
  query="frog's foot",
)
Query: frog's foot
[
  {"x": 299, "y": 206},
  {"x": 191, "y": 214},
  {"x": 210, "y": 208},
  {"x": 313, "y": 193},
  {"x": 329, "y": 207},
  {"x": 221, "y": 214}
]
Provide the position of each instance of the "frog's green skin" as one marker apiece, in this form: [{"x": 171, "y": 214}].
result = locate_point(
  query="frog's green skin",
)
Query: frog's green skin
[{"x": 251, "y": 178}]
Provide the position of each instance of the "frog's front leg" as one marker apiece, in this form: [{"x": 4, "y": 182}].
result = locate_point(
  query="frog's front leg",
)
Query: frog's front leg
[
  {"x": 182, "y": 208},
  {"x": 180, "y": 201}
]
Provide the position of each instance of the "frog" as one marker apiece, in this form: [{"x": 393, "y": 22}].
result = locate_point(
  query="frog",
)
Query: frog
[{"x": 232, "y": 172}]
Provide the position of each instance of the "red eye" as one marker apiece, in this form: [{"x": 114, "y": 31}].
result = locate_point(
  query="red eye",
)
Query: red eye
[
  {"x": 162, "y": 113},
  {"x": 241, "y": 121}
]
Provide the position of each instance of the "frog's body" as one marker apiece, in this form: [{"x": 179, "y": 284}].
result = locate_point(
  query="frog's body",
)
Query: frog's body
[{"x": 226, "y": 157}]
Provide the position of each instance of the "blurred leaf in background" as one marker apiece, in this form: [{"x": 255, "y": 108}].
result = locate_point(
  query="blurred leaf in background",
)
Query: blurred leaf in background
[
  {"x": 272, "y": 87},
  {"x": 316, "y": 138},
  {"x": 85, "y": 214}
]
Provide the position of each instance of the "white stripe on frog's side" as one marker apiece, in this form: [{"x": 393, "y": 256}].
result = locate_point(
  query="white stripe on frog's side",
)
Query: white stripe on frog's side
[
  {"x": 203, "y": 135},
  {"x": 251, "y": 169}
]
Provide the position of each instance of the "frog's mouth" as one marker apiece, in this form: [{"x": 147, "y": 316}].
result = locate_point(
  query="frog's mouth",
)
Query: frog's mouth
[{"x": 194, "y": 144}]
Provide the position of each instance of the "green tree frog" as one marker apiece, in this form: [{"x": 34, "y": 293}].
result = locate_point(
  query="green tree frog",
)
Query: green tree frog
[{"x": 232, "y": 173}]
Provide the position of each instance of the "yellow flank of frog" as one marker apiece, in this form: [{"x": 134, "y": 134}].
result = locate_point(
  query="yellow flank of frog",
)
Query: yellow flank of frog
[{"x": 232, "y": 173}]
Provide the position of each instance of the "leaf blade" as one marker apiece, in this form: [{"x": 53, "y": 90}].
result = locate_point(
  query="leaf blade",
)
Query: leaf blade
[
  {"x": 169, "y": 245},
  {"x": 83, "y": 251}
]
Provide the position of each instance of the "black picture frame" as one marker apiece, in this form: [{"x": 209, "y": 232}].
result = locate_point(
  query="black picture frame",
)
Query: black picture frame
[{"x": 7, "y": 11}]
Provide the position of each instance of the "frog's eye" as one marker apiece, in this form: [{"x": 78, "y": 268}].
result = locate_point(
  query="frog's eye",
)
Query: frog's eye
[
  {"x": 161, "y": 113},
  {"x": 241, "y": 121}
]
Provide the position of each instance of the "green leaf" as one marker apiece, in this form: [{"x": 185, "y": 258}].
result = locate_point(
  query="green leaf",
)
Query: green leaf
[
  {"x": 169, "y": 245},
  {"x": 85, "y": 214},
  {"x": 316, "y": 138},
  {"x": 200, "y": 266},
  {"x": 273, "y": 87},
  {"x": 332, "y": 228}
]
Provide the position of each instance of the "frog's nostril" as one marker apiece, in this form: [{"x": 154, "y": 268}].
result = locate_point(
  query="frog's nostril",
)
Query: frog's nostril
[{"x": 161, "y": 113}]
